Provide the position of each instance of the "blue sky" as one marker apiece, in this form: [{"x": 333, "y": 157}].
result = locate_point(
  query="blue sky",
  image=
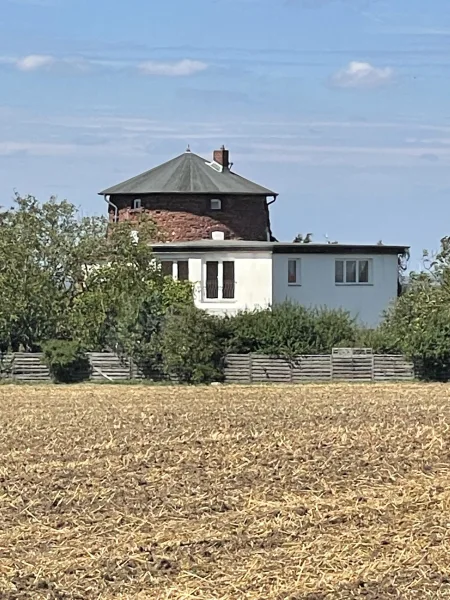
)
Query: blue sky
[{"x": 339, "y": 105}]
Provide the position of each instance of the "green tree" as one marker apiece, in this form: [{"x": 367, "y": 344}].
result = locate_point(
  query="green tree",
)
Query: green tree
[
  {"x": 44, "y": 252},
  {"x": 126, "y": 297},
  {"x": 418, "y": 324},
  {"x": 63, "y": 277}
]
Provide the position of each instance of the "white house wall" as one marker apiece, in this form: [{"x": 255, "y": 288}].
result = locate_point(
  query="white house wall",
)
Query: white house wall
[
  {"x": 317, "y": 286},
  {"x": 253, "y": 279}
]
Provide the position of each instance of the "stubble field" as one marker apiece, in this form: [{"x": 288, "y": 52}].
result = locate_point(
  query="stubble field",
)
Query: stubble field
[{"x": 286, "y": 493}]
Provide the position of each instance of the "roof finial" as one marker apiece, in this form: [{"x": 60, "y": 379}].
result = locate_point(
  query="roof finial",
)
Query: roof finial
[{"x": 188, "y": 149}]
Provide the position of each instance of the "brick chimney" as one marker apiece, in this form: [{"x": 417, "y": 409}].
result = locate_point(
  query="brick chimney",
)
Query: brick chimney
[{"x": 222, "y": 157}]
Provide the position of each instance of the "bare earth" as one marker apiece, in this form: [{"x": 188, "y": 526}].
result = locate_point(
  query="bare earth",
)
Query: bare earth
[{"x": 310, "y": 492}]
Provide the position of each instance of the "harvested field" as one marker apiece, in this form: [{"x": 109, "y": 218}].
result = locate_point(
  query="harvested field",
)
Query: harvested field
[{"x": 272, "y": 493}]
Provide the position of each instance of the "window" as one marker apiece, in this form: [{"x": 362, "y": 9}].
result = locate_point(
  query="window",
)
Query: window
[
  {"x": 137, "y": 203},
  {"x": 183, "y": 270},
  {"x": 216, "y": 166},
  {"x": 220, "y": 280},
  {"x": 212, "y": 279},
  {"x": 228, "y": 279},
  {"x": 294, "y": 271},
  {"x": 167, "y": 268},
  {"x": 177, "y": 269},
  {"x": 216, "y": 204},
  {"x": 217, "y": 235},
  {"x": 352, "y": 271}
]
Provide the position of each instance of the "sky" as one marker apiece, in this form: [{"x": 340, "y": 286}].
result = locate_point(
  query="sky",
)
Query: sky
[{"x": 341, "y": 106}]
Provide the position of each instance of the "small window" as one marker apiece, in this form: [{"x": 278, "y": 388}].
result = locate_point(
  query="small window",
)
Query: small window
[
  {"x": 180, "y": 272},
  {"x": 216, "y": 204},
  {"x": 228, "y": 279},
  {"x": 167, "y": 268},
  {"x": 352, "y": 271},
  {"x": 294, "y": 271},
  {"x": 183, "y": 270},
  {"x": 363, "y": 273},
  {"x": 212, "y": 279},
  {"x": 217, "y": 235},
  {"x": 137, "y": 203},
  {"x": 339, "y": 271}
]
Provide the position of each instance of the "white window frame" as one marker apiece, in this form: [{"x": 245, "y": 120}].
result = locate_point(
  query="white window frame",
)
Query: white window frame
[
  {"x": 220, "y": 262},
  {"x": 298, "y": 272},
  {"x": 137, "y": 203},
  {"x": 357, "y": 260},
  {"x": 215, "y": 204}
]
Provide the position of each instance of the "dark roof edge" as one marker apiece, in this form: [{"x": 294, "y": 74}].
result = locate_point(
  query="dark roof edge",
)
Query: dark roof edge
[
  {"x": 280, "y": 248},
  {"x": 340, "y": 249},
  {"x": 267, "y": 195}
]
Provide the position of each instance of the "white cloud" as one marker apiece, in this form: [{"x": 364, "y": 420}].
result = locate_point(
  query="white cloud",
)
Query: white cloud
[
  {"x": 34, "y": 62},
  {"x": 181, "y": 68},
  {"x": 362, "y": 75}
]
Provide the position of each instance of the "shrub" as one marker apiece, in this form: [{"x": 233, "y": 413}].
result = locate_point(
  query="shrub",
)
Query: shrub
[
  {"x": 192, "y": 346},
  {"x": 67, "y": 361},
  {"x": 291, "y": 330},
  {"x": 332, "y": 328}
]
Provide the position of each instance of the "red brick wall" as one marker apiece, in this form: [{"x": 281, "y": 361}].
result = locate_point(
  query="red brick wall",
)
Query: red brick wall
[{"x": 190, "y": 218}]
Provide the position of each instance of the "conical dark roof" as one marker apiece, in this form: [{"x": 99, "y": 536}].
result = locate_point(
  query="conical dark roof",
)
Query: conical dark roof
[{"x": 188, "y": 173}]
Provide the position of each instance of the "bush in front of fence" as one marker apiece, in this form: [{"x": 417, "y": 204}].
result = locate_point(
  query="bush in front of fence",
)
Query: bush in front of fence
[
  {"x": 67, "y": 361},
  {"x": 193, "y": 346},
  {"x": 290, "y": 330}
]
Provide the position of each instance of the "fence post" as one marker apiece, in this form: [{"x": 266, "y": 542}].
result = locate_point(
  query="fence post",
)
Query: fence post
[
  {"x": 331, "y": 367},
  {"x": 91, "y": 366},
  {"x": 130, "y": 360},
  {"x": 250, "y": 368}
]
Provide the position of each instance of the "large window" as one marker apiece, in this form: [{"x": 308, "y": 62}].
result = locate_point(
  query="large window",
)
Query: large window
[
  {"x": 220, "y": 280},
  {"x": 352, "y": 271},
  {"x": 178, "y": 269}
]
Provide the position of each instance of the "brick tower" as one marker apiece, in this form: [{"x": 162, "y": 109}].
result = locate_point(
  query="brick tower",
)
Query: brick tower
[{"x": 190, "y": 198}]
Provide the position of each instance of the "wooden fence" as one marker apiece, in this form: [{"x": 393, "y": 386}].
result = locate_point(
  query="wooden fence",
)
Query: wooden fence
[
  {"x": 341, "y": 365},
  {"x": 28, "y": 367}
]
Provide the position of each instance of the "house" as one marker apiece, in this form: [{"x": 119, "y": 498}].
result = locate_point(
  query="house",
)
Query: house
[
  {"x": 230, "y": 276},
  {"x": 217, "y": 234},
  {"x": 190, "y": 198}
]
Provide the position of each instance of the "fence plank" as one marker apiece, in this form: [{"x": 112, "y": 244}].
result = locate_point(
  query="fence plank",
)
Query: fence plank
[
  {"x": 29, "y": 367},
  {"x": 311, "y": 368},
  {"x": 107, "y": 366},
  {"x": 392, "y": 367}
]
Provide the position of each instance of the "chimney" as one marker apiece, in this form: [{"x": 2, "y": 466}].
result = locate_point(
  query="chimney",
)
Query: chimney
[{"x": 222, "y": 157}]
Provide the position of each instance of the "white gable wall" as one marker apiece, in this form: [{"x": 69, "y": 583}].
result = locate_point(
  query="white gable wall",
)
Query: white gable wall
[
  {"x": 253, "y": 279},
  {"x": 317, "y": 285}
]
